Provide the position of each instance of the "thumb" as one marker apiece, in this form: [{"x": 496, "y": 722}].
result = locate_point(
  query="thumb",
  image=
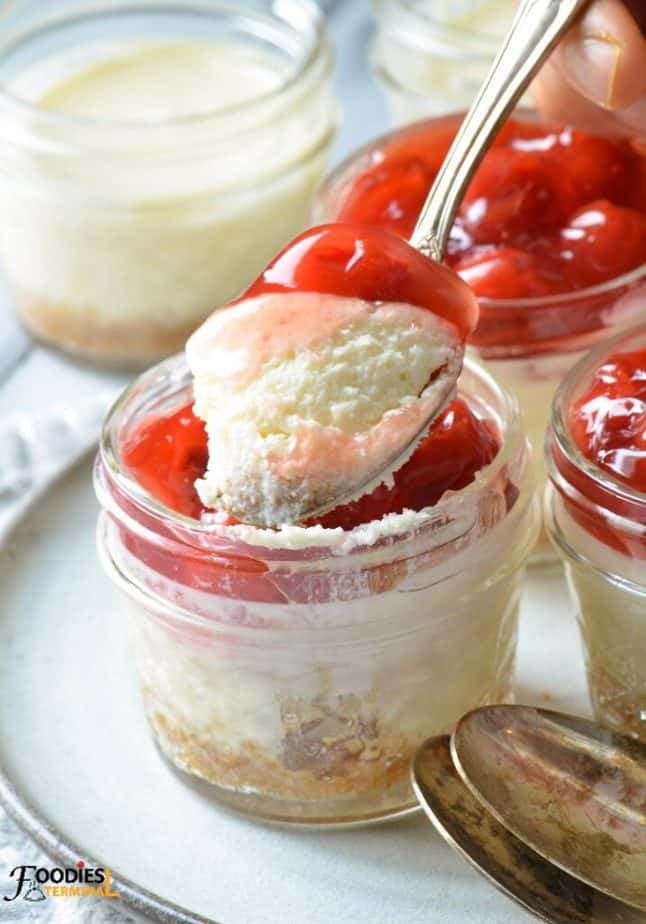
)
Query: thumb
[{"x": 603, "y": 56}]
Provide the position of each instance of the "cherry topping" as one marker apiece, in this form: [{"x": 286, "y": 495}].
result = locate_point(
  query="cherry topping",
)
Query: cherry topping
[
  {"x": 608, "y": 422},
  {"x": 603, "y": 240},
  {"x": 513, "y": 194},
  {"x": 457, "y": 446},
  {"x": 507, "y": 272},
  {"x": 519, "y": 232},
  {"x": 361, "y": 261},
  {"x": 167, "y": 454}
]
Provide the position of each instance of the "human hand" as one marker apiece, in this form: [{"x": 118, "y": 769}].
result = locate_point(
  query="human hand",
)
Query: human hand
[{"x": 596, "y": 78}]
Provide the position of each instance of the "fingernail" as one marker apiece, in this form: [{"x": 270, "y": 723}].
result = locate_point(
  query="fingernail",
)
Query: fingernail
[{"x": 592, "y": 62}]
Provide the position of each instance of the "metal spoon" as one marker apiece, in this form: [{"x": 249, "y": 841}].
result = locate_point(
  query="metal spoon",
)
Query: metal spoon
[
  {"x": 540, "y": 887},
  {"x": 571, "y": 790},
  {"x": 537, "y": 27}
]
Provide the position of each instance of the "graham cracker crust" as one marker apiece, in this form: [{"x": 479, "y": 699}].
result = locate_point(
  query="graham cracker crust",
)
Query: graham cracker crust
[
  {"x": 124, "y": 345},
  {"x": 357, "y": 768}
]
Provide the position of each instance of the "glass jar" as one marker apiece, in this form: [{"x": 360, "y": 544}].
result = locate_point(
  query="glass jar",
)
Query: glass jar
[
  {"x": 119, "y": 235},
  {"x": 431, "y": 56},
  {"x": 298, "y": 673},
  {"x": 528, "y": 343},
  {"x": 598, "y": 527},
  {"x": 556, "y": 332}
]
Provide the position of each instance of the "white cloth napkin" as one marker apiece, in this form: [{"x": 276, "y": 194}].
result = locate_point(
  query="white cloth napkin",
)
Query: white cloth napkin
[{"x": 35, "y": 449}]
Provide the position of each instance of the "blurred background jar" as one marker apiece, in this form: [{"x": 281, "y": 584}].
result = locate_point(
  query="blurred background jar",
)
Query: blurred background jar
[
  {"x": 153, "y": 158},
  {"x": 529, "y": 342},
  {"x": 430, "y": 56},
  {"x": 595, "y": 512}
]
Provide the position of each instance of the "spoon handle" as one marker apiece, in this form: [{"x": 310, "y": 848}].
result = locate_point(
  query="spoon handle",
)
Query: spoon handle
[{"x": 535, "y": 30}]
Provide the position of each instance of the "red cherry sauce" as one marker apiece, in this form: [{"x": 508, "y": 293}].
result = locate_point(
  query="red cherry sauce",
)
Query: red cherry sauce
[
  {"x": 371, "y": 263},
  {"x": 167, "y": 454},
  {"x": 550, "y": 211},
  {"x": 608, "y": 423},
  {"x": 608, "y": 426}
]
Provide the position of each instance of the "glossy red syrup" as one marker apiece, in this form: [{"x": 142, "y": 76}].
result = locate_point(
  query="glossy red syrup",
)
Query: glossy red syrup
[
  {"x": 608, "y": 423},
  {"x": 167, "y": 454},
  {"x": 551, "y": 210},
  {"x": 359, "y": 261}
]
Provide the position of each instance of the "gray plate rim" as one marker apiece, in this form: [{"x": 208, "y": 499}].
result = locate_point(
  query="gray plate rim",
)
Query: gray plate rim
[{"x": 134, "y": 898}]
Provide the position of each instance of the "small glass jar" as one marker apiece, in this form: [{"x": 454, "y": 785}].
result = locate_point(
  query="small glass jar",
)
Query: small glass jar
[
  {"x": 431, "y": 56},
  {"x": 299, "y": 677},
  {"x": 598, "y": 527},
  {"x": 528, "y": 343},
  {"x": 118, "y": 236}
]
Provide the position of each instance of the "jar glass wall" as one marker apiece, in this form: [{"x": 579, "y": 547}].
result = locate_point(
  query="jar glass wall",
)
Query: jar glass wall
[
  {"x": 122, "y": 229},
  {"x": 431, "y": 56},
  {"x": 598, "y": 526},
  {"x": 300, "y": 678}
]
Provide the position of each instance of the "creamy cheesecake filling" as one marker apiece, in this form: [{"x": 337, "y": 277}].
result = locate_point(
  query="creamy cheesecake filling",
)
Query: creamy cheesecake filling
[
  {"x": 306, "y": 396},
  {"x": 150, "y": 81}
]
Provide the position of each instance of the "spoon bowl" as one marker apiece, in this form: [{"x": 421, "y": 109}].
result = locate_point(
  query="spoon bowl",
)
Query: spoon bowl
[
  {"x": 519, "y": 872},
  {"x": 573, "y": 791}
]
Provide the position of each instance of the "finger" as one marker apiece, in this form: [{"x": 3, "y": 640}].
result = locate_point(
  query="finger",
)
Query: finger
[
  {"x": 603, "y": 56},
  {"x": 599, "y": 69},
  {"x": 560, "y": 101}
]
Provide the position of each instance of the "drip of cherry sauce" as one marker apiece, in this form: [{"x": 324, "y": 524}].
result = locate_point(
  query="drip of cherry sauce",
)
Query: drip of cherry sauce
[
  {"x": 550, "y": 210},
  {"x": 608, "y": 422}
]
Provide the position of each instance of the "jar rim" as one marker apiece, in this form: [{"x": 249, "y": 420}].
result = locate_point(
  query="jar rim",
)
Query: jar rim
[
  {"x": 337, "y": 176},
  {"x": 172, "y": 374},
  {"x": 294, "y": 14},
  {"x": 623, "y": 505}
]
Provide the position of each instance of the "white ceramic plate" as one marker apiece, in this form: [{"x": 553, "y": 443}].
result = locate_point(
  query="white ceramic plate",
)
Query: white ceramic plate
[{"x": 81, "y": 773}]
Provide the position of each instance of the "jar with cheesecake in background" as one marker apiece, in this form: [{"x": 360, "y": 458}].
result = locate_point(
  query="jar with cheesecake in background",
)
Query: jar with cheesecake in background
[
  {"x": 152, "y": 159},
  {"x": 551, "y": 237},
  {"x": 595, "y": 511},
  {"x": 431, "y": 56}
]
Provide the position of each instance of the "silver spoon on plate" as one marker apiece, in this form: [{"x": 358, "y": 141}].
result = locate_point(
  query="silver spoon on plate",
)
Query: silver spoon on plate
[{"x": 550, "y": 808}]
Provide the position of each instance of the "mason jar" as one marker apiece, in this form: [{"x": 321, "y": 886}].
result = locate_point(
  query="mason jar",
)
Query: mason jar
[
  {"x": 431, "y": 56},
  {"x": 298, "y": 674},
  {"x": 598, "y": 526},
  {"x": 529, "y": 344},
  {"x": 153, "y": 157}
]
